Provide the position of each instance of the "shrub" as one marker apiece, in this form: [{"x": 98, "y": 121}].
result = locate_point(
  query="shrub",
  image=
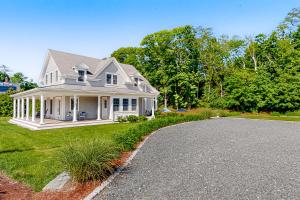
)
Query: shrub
[
  {"x": 122, "y": 119},
  {"x": 275, "y": 113},
  {"x": 127, "y": 139},
  {"x": 142, "y": 118},
  {"x": 132, "y": 118},
  {"x": 89, "y": 160}
]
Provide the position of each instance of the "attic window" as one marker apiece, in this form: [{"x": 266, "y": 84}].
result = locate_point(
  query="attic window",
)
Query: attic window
[
  {"x": 111, "y": 79},
  {"x": 81, "y": 75},
  {"x": 136, "y": 81}
]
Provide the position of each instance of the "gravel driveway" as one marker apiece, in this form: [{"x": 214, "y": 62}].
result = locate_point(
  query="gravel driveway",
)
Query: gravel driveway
[{"x": 214, "y": 159}]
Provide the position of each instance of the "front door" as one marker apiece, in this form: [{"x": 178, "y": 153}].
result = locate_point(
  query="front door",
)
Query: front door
[
  {"x": 104, "y": 108},
  {"x": 57, "y": 106}
]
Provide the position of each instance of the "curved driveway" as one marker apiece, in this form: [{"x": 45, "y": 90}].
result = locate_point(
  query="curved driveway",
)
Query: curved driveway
[{"x": 214, "y": 159}]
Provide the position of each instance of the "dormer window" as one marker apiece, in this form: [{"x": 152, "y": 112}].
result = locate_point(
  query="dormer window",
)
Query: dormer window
[
  {"x": 81, "y": 75},
  {"x": 136, "y": 81},
  {"x": 111, "y": 79}
]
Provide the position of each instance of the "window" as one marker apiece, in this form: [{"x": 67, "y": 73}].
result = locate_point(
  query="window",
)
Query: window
[
  {"x": 108, "y": 79},
  {"x": 51, "y": 78},
  {"x": 116, "y": 103},
  {"x": 115, "y": 79},
  {"x": 111, "y": 79},
  {"x": 136, "y": 81},
  {"x": 105, "y": 103},
  {"x": 81, "y": 75},
  {"x": 72, "y": 103},
  {"x": 51, "y": 106},
  {"x": 58, "y": 110},
  {"x": 46, "y": 79},
  {"x": 56, "y": 76},
  {"x": 133, "y": 104},
  {"x": 125, "y": 104}
]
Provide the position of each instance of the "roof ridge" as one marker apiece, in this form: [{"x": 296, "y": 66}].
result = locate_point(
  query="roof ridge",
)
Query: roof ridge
[{"x": 74, "y": 54}]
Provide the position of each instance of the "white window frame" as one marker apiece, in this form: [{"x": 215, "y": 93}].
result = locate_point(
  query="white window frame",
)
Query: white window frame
[
  {"x": 112, "y": 79},
  {"x": 77, "y": 107},
  {"x": 136, "y": 102},
  {"x": 51, "y": 78},
  {"x": 56, "y": 75},
  {"x": 128, "y": 103},
  {"x": 46, "y": 79},
  {"x": 84, "y": 76},
  {"x": 118, "y": 105}
]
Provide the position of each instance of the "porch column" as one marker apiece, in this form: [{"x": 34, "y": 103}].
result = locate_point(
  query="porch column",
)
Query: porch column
[
  {"x": 42, "y": 109},
  {"x": 75, "y": 109},
  {"x": 33, "y": 109},
  {"x": 18, "y": 108},
  {"x": 155, "y": 99},
  {"x": 22, "y": 108},
  {"x": 152, "y": 107},
  {"x": 63, "y": 107},
  {"x": 14, "y": 114},
  {"x": 27, "y": 108},
  {"x": 99, "y": 106},
  {"x": 111, "y": 111}
]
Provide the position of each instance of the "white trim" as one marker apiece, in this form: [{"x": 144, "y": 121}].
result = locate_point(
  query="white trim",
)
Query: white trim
[
  {"x": 112, "y": 79},
  {"x": 98, "y": 107},
  {"x": 33, "y": 109},
  {"x": 42, "y": 109},
  {"x": 14, "y": 114},
  {"x": 27, "y": 108},
  {"x": 22, "y": 108}
]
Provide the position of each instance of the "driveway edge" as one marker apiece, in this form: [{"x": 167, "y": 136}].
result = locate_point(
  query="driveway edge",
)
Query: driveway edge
[{"x": 98, "y": 189}]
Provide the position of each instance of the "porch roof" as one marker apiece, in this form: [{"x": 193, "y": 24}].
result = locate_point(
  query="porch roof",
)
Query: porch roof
[{"x": 82, "y": 90}]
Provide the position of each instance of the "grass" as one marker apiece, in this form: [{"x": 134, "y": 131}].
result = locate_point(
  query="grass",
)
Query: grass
[
  {"x": 32, "y": 156},
  {"x": 295, "y": 116}
]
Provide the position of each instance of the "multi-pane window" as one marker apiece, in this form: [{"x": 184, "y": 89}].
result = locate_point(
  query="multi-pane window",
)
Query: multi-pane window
[
  {"x": 56, "y": 76},
  {"x": 72, "y": 103},
  {"x": 115, "y": 79},
  {"x": 116, "y": 104},
  {"x": 51, "y": 78},
  {"x": 133, "y": 104},
  {"x": 46, "y": 79},
  {"x": 81, "y": 75},
  {"x": 136, "y": 81},
  {"x": 111, "y": 79},
  {"x": 125, "y": 104},
  {"x": 108, "y": 79},
  {"x": 51, "y": 106}
]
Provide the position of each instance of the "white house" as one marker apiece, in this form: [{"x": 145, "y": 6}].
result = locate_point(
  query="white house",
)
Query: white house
[{"x": 79, "y": 90}]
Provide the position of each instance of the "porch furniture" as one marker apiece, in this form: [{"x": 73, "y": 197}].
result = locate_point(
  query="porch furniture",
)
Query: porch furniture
[
  {"x": 82, "y": 115},
  {"x": 69, "y": 116}
]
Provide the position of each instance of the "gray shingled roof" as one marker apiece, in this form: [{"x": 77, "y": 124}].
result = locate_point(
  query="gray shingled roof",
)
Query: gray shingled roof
[{"x": 66, "y": 61}]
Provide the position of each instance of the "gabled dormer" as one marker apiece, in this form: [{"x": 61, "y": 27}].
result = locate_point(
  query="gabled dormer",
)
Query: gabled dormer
[{"x": 82, "y": 71}]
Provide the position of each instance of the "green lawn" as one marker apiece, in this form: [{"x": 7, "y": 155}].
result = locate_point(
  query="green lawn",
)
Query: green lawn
[
  {"x": 267, "y": 116},
  {"x": 31, "y": 156}
]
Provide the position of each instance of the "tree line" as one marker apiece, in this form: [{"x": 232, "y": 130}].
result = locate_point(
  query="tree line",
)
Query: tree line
[{"x": 193, "y": 67}]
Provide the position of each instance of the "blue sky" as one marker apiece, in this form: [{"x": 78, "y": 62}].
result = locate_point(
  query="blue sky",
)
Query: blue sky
[{"x": 97, "y": 28}]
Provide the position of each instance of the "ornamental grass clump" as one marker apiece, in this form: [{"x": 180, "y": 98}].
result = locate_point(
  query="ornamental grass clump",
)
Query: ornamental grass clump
[{"x": 92, "y": 160}]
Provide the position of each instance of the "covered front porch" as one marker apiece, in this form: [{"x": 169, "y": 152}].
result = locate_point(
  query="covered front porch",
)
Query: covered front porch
[{"x": 39, "y": 110}]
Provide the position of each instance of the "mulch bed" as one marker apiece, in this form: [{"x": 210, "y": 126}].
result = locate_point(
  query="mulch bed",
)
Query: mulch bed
[{"x": 13, "y": 190}]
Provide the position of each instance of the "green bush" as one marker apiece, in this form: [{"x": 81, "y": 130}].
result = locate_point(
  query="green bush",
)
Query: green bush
[
  {"x": 89, "y": 160},
  {"x": 122, "y": 119},
  {"x": 126, "y": 140},
  {"x": 6, "y": 105},
  {"x": 142, "y": 118},
  {"x": 296, "y": 113},
  {"x": 275, "y": 114},
  {"x": 132, "y": 118}
]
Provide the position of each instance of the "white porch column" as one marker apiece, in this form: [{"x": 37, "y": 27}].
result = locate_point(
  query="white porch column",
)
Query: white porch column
[
  {"x": 156, "y": 108},
  {"x": 22, "y": 108},
  {"x": 33, "y": 109},
  {"x": 121, "y": 105},
  {"x": 75, "y": 109},
  {"x": 42, "y": 110},
  {"x": 18, "y": 108},
  {"x": 14, "y": 113},
  {"x": 111, "y": 111},
  {"x": 152, "y": 107},
  {"x": 27, "y": 108},
  {"x": 63, "y": 107},
  {"x": 99, "y": 106}
]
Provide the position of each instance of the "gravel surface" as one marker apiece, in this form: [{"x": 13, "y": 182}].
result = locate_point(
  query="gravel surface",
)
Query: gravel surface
[{"x": 214, "y": 159}]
